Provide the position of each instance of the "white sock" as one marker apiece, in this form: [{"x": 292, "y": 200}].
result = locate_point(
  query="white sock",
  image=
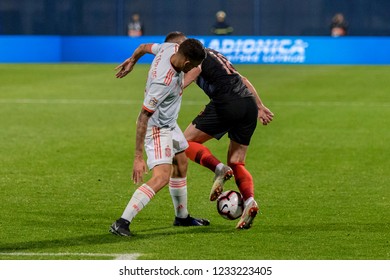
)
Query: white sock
[
  {"x": 140, "y": 198},
  {"x": 219, "y": 167},
  {"x": 249, "y": 200},
  {"x": 178, "y": 191}
]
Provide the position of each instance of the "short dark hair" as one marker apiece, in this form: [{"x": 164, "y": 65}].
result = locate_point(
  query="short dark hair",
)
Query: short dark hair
[
  {"x": 192, "y": 49},
  {"x": 172, "y": 36}
]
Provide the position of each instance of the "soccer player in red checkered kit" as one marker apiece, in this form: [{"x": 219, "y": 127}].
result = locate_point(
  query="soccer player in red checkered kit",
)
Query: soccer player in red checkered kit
[
  {"x": 158, "y": 132},
  {"x": 234, "y": 108}
]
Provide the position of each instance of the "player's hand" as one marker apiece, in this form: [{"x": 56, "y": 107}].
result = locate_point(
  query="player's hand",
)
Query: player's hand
[
  {"x": 139, "y": 169},
  {"x": 265, "y": 115},
  {"x": 124, "y": 68}
]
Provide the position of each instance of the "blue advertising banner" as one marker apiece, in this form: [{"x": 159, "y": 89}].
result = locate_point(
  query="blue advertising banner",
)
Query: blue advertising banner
[
  {"x": 30, "y": 49},
  {"x": 303, "y": 50},
  {"x": 239, "y": 49},
  {"x": 107, "y": 49}
]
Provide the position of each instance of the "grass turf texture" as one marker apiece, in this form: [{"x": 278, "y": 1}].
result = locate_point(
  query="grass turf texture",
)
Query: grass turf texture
[{"x": 321, "y": 168}]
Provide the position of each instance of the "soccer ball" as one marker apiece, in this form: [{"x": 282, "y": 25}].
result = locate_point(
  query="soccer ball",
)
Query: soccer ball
[{"x": 230, "y": 205}]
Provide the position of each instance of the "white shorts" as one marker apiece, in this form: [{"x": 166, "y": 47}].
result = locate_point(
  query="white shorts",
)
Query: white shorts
[{"x": 161, "y": 144}]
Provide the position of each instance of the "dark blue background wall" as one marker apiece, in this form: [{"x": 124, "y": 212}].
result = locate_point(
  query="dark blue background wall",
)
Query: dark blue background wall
[{"x": 194, "y": 17}]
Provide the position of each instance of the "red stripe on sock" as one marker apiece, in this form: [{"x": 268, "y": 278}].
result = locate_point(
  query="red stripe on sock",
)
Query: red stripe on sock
[
  {"x": 177, "y": 183},
  {"x": 146, "y": 191}
]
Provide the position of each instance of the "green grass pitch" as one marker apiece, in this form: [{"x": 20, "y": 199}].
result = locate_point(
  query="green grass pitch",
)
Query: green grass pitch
[{"x": 321, "y": 168}]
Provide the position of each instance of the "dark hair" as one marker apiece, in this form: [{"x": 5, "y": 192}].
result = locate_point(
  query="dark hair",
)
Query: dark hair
[
  {"x": 192, "y": 49},
  {"x": 172, "y": 36}
]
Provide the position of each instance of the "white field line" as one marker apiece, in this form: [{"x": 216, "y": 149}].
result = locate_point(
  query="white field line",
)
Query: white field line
[
  {"x": 67, "y": 101},
  {"x": 81, "y": 101},
  {"x": 186, "y": 102},
  {"x": 114, "y": 256}
]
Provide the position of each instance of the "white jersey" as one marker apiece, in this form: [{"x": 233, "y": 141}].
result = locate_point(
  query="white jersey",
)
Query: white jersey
[{"x": 164, "y": 87}]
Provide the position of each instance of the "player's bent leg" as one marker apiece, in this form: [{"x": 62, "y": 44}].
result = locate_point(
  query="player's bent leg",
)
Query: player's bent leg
[
  {"x": 179, "y": 165},
  {"x": 196, "y": 135},
  {"x": 141, "y": 198},
  {"x": 243, "y": 178},
  {"x": 160, "y": 177},
  {"x": 196, "y": 151},
  {"x": 178, "y": 192},
  {"x": 138, "y": 201},
  {"x": 244, "y": 181},
  {"x": 200, "y": 154},
  {"x": 236, "y": 160}
]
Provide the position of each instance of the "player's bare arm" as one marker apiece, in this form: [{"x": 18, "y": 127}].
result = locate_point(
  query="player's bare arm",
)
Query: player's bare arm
[
  {"x": 139, "y": 166},
  {"x": 264, "y": 114},
  {"x": 192, "y": 75},
  {"x": 127, "y": 66}
]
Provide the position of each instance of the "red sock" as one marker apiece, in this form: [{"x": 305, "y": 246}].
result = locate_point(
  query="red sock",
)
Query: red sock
[
  {"x": 244, "y": 180},
  {"x": 202, "y": 155}
]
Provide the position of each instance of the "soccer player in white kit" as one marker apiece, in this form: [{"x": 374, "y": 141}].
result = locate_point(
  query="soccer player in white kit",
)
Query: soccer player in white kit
[
  {"x": 221, "y": 116},
  {"x": 158, "y": 131}
]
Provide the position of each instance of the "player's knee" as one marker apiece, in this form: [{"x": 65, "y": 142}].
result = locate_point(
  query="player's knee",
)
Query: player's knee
[
  {"x": 182, "y": 169},
  {"x": 162, "y": 179},
  {"x": 180, "y": 165},
  {"x": 179, "y": 172}
]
